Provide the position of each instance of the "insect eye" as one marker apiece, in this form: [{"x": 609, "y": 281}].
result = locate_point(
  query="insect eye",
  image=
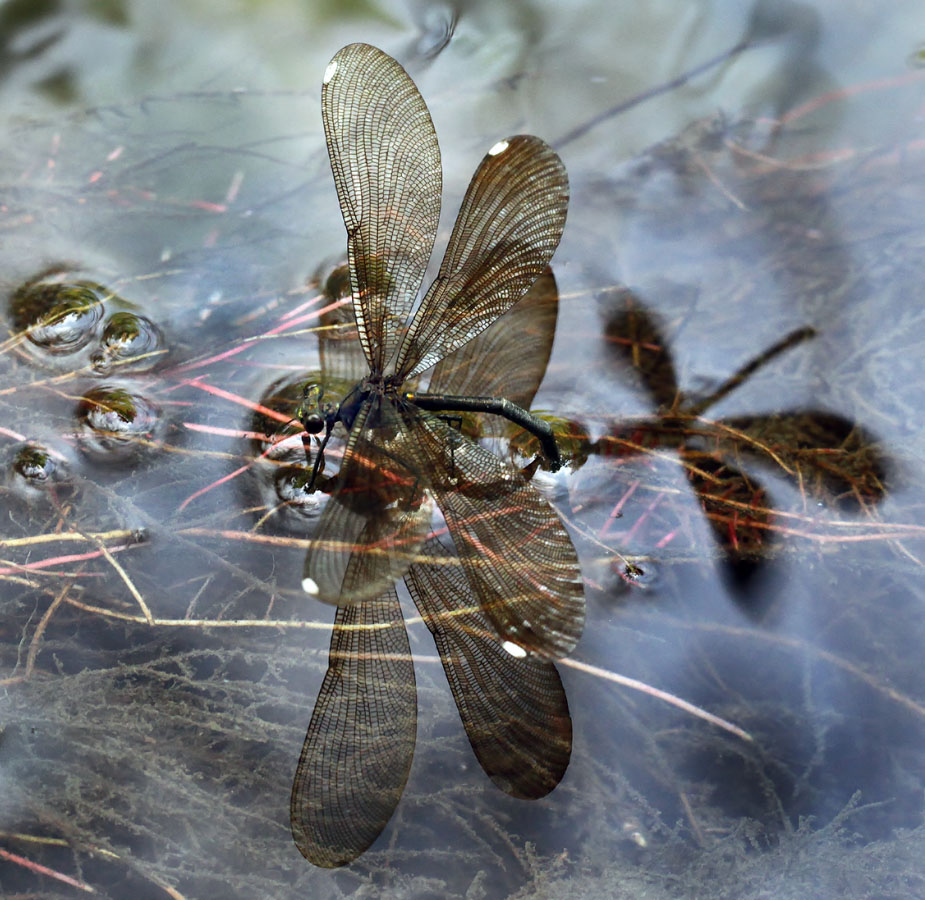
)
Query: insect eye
[{"x": 313, "y": 423}]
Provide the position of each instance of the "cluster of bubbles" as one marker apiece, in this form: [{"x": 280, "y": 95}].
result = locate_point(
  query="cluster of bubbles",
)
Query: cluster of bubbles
[
  {"x": 61, "y": 319},
  {"x": 82, "y": 327}
]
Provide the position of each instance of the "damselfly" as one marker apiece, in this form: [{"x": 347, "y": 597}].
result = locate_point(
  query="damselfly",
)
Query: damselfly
[{"x": 501, "y": 588}]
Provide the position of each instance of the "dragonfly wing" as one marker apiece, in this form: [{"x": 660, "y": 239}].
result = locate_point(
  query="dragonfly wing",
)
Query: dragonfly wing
[
  {"x": 378, "y": 515},
  {"x": 506, "y": 232},
  {"x": 514, "y": 709},
  {"x": 509, "y": 358},
  {"x": 518, "y": 558},
  {"x": 386, "y": 166},
  {"x": 357, "y": 752},
  {"x": 343, "y": 362}
]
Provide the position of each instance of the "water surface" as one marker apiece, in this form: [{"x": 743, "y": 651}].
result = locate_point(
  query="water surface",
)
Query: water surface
[{"x": 758, "y": 556}]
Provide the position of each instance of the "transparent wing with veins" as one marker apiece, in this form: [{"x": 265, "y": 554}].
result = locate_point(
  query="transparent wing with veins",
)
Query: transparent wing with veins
[
  {"x": 357, "y": 752},
  {"x": 506, "y": 232},
  {"x": 386, "y": 165},
  {"x": 513, "y": 708},
  {"x": 509, "y": 358},
  {"x": 518, "y": 558}
]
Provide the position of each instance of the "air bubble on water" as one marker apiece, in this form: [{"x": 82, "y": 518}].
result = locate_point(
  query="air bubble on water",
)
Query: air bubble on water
[
  {"x": 116, "y": 424},
  {"x": 58, "y": 317}
]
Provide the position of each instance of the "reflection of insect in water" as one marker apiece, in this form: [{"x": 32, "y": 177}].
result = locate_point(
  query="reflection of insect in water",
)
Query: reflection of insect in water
[
  {"x": 501, "y": 592},
  {"x": 826, "y": 454}
]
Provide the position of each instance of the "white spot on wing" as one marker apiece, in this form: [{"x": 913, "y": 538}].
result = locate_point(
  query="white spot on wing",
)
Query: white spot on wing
[
  {"x": 500, "y": 147},
  {"x": 514, "y": 649},
  {"x": 310, "y": 586},
  {"x": 329, "y": 71}
]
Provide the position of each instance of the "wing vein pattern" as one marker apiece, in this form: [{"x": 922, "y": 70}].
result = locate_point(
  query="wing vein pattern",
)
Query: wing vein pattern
[
  {"x": 514, "y": 710},
  {"x": 386, "y": 165},
  {"x": 506, "y": 232},
  {"x": 357, "y": 752}
]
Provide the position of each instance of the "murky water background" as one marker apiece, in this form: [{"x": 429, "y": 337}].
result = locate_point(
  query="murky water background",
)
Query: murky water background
[{"x": 171, "y": 155}]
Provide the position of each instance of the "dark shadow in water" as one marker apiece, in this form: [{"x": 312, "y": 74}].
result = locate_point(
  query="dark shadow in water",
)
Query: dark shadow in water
[
  {"x": 824, "y": 453},
  {"x": 17, "y": 20},
  {"x": 707, "y": 192}
]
